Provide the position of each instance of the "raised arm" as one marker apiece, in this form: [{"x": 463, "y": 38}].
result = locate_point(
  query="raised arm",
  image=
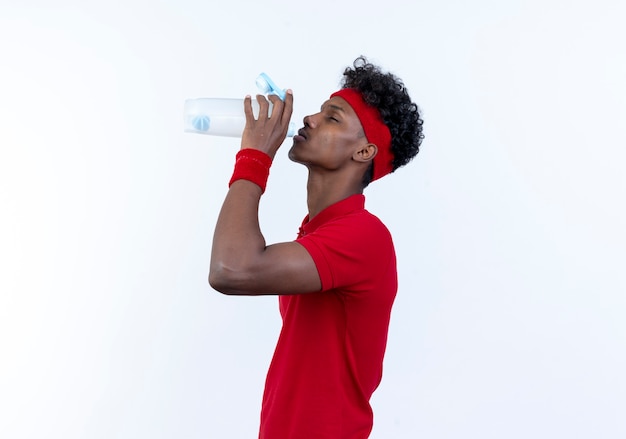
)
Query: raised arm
[{"x": 241, "y": 262}]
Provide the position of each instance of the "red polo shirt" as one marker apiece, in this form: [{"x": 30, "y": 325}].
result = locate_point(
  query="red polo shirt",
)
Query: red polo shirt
[{"x": 329, "y": 356}]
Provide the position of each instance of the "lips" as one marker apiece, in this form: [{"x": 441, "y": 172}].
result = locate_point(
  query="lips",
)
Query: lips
[{"x": 301, "y": 136}]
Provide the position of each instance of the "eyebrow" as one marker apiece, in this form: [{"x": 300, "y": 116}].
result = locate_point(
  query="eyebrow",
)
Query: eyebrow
[{"x": 333, "y": 107}]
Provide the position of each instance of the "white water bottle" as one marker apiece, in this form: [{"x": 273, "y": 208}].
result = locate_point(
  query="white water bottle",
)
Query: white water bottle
[
  {"x": 226, "y": 117},
  {"x": 221, "y": 116}
]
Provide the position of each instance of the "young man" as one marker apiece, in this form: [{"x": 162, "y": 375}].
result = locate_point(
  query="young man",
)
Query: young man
[{"x": 337, "y": 281}]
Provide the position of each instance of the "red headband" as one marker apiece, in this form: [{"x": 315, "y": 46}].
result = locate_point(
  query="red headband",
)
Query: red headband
[{"x": 375, "y": 130}]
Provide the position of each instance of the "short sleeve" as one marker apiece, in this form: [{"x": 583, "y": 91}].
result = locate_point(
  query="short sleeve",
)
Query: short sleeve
[{"x": 350, "y": 250}]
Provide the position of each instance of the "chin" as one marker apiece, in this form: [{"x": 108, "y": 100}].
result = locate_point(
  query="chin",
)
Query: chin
[{"x": 293, "y": 155}]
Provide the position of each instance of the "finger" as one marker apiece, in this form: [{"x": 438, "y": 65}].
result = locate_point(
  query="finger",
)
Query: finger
[
  {"x": 288, "y": 108},
  {"x": 263, "y": 107},
  {"x": 277, "y": 107},
  {"x": 247, "y": 109}
]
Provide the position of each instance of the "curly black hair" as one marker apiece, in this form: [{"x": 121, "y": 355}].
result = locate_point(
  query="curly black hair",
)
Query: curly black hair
[{"x": 387, "y": 92}]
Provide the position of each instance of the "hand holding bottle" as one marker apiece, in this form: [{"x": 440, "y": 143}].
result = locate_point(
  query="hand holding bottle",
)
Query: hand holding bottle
[{"x": 267, "y": 133}]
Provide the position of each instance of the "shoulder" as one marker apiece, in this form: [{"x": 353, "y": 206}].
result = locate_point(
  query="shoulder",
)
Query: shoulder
[
  {"x": 351, "y": 249},
  {"x": 364, "y": 221},
  {"x": 359, "y": 229}
]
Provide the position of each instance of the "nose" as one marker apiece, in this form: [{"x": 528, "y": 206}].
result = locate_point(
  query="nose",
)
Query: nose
[{"x": 310, "y": 121}]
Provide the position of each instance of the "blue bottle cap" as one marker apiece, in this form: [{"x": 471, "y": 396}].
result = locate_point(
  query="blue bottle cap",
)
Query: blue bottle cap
[{"x": 266, "y": 85}]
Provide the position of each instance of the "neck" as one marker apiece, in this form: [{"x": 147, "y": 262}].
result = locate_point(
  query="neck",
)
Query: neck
[{"x": 326, "y": 190}]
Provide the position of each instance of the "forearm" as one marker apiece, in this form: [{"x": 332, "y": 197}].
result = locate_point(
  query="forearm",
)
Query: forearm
[
  {"x": 240, "y": 261},
  {"x": 237, "y": 242}
]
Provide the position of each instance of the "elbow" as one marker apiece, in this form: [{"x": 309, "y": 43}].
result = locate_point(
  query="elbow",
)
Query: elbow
[
  {"x": 223, "y": 280},
  {"x": 218, "y": 280}
]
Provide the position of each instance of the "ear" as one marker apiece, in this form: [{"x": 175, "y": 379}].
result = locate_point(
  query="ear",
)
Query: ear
[{"x": 365, "y": 153}]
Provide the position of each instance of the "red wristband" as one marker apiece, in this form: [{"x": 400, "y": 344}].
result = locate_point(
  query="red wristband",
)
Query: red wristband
[{"x": 252, "y": 165}]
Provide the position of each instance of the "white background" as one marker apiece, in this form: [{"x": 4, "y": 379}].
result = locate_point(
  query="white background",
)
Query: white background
[{"x": 510, "y": 320}]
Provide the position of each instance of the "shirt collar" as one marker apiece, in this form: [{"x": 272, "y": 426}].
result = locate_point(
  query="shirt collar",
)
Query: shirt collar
[{"x": 347, "y": 205}]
